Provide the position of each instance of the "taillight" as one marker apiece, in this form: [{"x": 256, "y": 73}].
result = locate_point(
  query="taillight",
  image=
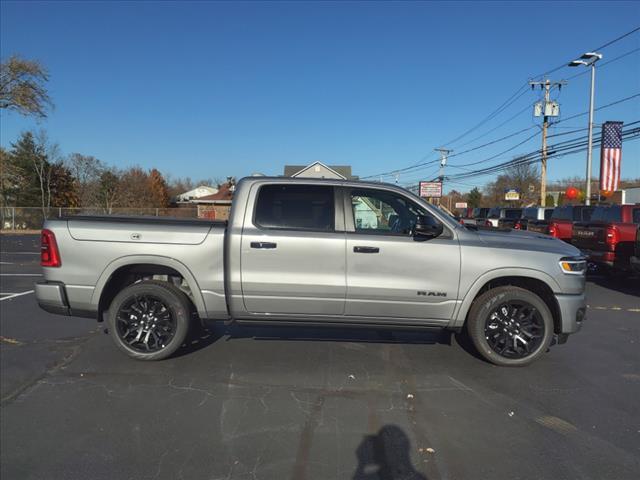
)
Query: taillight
[
  {"x": 517, "y": 226},
  {"x": 49, "y": 254},
  {"x": 612, "y": 237},
  {"x": 553, "y": 230},
  {"x": 487, "y": 223}
]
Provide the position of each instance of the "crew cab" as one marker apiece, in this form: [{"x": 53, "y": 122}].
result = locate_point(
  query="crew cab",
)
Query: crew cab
[
  {"x": 479, "y": 216},
  {"x": 504, "y": 217},
  {"x": 609, "y": 237},
  {"x": 314, "y": 252},
  {"x": 532, "y": 213},
  {"x": 560, "y": 224}
]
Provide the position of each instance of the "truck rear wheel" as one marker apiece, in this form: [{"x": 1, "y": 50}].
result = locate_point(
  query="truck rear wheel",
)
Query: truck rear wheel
[
  {"x": 510, "y": 326},
  {"x": 149, "y": 320}
]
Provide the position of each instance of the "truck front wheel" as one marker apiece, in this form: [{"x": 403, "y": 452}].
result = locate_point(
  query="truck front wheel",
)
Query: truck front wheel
[
  {"x": 149, "y": 320},
  {"x": 510, "y": 326}
]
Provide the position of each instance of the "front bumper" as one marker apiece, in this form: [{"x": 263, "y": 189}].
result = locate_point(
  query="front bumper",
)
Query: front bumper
[{"x": 573, "y": 311}]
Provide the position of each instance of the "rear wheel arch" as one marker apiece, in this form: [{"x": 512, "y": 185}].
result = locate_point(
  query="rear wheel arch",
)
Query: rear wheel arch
[{"x": 124, "y": 272}]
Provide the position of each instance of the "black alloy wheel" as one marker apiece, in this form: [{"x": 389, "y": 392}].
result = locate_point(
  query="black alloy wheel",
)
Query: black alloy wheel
[
  {"x": 514, "y": 329},
  {"x": 145, "y": 324},
  {"x": 510, "y": 326},
  {"x": 149, "y": 320}
]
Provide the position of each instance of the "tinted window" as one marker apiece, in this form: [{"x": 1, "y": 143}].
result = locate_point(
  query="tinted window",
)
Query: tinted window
[
  {"x": 548, "y": 212},
  {"x": 636, "y": 215},
  {"x": 585, "y": 213},
  {"x": 494, "y": 212},
  {"x": 480, "y": 212},
  {"x": 378, "y": 211},
  {"x": 607, "y": 214},
  {"x": 565, "y": 213},
  {"x": 513, "y": 213},
  {"x": 530, "y": 213},
  {"x": 307, "y": 207}
]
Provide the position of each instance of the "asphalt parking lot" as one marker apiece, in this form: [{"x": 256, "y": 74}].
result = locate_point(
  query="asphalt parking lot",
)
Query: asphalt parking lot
[{"x": 286, "y": 403}]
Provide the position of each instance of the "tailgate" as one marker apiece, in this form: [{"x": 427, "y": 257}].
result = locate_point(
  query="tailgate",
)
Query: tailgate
[
  {"x": 588, "y": 236},
  {"x": 538, "y": 226}
]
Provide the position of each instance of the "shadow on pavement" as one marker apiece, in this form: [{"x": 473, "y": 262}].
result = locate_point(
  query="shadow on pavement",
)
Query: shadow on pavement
[
  {"x": 629, "y": 285},
  {"x": 386, "y": 456},
  {"x": 339, "y": 334}
]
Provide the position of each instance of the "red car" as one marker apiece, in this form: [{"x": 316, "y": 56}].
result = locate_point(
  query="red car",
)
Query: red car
[
  {"x": 560, "y": 225},
  {"x": 609, "y": 237}
]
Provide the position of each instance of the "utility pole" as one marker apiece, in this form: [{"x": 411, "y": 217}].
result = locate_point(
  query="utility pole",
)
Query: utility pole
[
  {"x": 546, "y": 109},
  {"x": 443, "y": 163}
]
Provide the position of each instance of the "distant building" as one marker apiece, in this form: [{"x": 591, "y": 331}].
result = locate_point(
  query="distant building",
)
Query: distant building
[
  {"x": 319, "y": 170},
  {"x": 217, "y": 205},
  {"x": 198, "y": 192}
]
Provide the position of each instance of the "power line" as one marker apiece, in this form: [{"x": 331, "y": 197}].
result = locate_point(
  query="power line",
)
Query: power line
[{"x": 506, "y": 104}]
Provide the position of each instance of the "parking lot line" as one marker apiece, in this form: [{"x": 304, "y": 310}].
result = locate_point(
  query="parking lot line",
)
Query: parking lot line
[
  {"x": 20, "y": 253},
  {"x": 16, "y": 295},
  {"x": 20, "y": 274}
]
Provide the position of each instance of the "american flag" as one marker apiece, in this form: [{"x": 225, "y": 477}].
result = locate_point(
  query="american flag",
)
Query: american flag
[{"x": 610, "y": 156}]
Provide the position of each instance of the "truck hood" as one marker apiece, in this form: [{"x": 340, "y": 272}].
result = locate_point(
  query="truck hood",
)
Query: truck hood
[{"x": 524, "y": 240}]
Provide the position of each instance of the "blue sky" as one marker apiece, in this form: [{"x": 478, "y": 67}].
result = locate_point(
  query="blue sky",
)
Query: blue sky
[{"x": 209, "y": 89}]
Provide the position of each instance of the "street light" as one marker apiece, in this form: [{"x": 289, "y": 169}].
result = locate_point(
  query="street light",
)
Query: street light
[{"x": 589, "y": 59}]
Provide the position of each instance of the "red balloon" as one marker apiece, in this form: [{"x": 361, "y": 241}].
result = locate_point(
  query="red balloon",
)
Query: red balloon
[{"x": 571, "y": 193}]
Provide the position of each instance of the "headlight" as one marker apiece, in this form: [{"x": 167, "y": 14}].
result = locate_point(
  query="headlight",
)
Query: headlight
[{"x": 573, "y": 265}]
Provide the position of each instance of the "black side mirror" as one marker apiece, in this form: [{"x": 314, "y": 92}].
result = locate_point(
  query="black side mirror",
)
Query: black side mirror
[{"x": 427, "y": 227}]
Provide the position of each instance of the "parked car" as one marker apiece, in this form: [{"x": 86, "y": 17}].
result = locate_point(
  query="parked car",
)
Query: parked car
[
  {"x": 314, "y": 252},
  {"x": 506, "y": 217},
  {"x": 635, "y": 259},
  {"x": 532, "y": 213},
  {"x": 479, "y": 216},
  {"x": 560, "y": 225},
  {"x": 610, "y": 236}
]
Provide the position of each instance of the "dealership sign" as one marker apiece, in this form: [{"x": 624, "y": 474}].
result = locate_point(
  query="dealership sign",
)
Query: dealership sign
[
  {"x": 461, "y": 204},
  {"x": 430, "y": 189},
  {"x": 511, "y": 194}
]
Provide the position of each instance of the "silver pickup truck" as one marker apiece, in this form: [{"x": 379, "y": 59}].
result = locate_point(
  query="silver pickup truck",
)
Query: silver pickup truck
[{"x": 315, "y": 252}]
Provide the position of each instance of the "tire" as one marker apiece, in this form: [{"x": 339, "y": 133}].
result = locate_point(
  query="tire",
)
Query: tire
[
  {"x": 151, "y": 310},
  {"x": 523, "y": 333}
]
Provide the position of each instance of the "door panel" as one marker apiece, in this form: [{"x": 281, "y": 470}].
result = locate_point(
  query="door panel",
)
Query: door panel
[
  {"x": 289, "y": 271},
  {"x": 389, "y": 273},
  {"x": 406, "y": 278}
]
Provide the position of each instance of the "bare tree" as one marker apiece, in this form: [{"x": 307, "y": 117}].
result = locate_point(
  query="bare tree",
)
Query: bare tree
[
  {"x": 87, "y": 171},
  {"x": 22, "y": 87}
]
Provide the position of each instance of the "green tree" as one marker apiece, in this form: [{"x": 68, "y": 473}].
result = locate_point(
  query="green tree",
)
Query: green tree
[
  {"x": 24, "y": 154},
  {"x": 474, "y": 197},
  {"x": 549, "y": 201},
  {"x": 22, "y": 87}
]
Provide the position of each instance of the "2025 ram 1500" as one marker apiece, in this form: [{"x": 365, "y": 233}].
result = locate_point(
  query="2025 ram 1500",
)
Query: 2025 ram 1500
[{"x": 315, "y": 252}]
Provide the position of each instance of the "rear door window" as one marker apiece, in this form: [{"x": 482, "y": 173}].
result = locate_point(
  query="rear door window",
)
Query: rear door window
[
  {"x": 513, "y": 213},
  {"x": 562, "y": 213},
  {"x": 636, "y": 215},
  {"x": 296, "y": 207},
  {"x": 494, "y": 213},
  {"x": 548, "y": 212}
]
